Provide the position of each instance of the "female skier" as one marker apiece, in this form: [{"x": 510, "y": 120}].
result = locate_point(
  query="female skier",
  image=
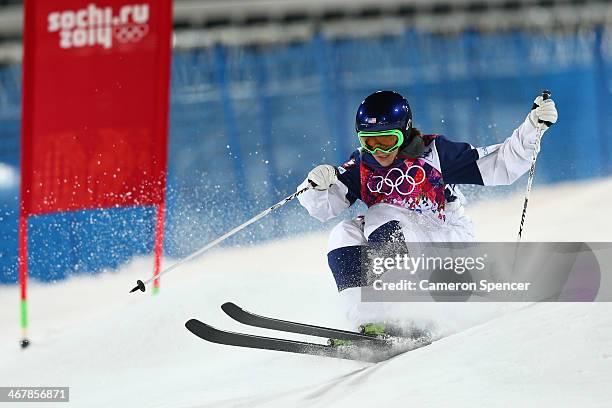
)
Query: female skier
[{"x": 408, "y": 182}]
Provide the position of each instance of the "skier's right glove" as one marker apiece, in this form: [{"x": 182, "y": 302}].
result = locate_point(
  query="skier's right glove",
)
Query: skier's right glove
[{"x": 323, "y": 176}]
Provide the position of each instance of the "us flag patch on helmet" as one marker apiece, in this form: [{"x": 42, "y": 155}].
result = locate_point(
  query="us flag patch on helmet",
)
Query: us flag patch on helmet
[{"x": 371, "y": 120}]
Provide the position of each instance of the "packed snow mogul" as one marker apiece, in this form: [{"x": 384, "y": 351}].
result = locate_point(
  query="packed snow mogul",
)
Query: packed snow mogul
[{"x": 408, "y": 181}]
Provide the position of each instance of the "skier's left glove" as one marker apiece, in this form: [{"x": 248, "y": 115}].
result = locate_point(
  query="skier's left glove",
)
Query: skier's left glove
[{"x": 545, "y": 111}]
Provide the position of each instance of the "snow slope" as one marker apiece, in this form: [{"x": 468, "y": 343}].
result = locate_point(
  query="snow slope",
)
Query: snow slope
[
  {"x": 547, "y": 355},
  {"x": 117, "y": 349}
]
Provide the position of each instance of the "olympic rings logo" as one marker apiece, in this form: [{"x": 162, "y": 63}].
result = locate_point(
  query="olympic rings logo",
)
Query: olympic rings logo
[
  {"x": 387, "y": 185},
  {"x": 130, "y": 33}
]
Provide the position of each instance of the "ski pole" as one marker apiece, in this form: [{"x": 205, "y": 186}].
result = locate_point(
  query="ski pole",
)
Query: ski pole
[
  {"x": 545, "y": 96},
  {"x": 140, "y": 285}
]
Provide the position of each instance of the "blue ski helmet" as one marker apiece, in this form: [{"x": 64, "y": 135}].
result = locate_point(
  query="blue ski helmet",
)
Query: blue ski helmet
[{"x": 384, "y": 110}]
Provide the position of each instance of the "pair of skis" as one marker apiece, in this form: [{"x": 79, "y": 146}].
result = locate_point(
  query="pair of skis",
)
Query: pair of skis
[{"x": 362, "y": 347}]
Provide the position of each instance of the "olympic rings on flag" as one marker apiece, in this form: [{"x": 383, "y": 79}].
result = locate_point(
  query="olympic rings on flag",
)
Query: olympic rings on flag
[{"x": 130, "y": 32}]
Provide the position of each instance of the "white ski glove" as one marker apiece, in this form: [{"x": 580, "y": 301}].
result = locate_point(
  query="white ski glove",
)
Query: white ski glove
[
  {"x": 544, "y": 110},
  {"x": 323, "y": 176}
]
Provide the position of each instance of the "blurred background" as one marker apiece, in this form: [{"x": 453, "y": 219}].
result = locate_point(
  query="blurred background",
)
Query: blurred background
[{"x": 262, "y": 91}]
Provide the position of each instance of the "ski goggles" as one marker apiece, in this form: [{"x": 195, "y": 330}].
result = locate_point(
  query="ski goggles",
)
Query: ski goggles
[{"x": 384, "y": 141}]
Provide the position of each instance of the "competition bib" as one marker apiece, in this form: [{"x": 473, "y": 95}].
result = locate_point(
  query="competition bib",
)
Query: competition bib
[{"x": 413, "y": 184}]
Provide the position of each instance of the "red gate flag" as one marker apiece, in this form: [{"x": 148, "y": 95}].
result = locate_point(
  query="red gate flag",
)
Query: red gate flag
[
  {"x": 96, "y": 79},
  {"x": 95, "y": 104}
]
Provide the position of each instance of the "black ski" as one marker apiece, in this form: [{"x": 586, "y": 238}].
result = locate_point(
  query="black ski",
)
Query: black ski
[
  {"x": 239, "y": 314},
  {"x": 363, "y": 348},
  {"x": 361, "y": 352}
]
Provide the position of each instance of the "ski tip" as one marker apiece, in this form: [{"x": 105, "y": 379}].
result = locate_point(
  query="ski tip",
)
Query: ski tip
[
  {"x": 228, "y": 307},
  {"x": 191, "y": 323},
  {"x": 203, "y": 330},
  {"x": 139, "y": 286},
  {"x": 195, "y": 326}
]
